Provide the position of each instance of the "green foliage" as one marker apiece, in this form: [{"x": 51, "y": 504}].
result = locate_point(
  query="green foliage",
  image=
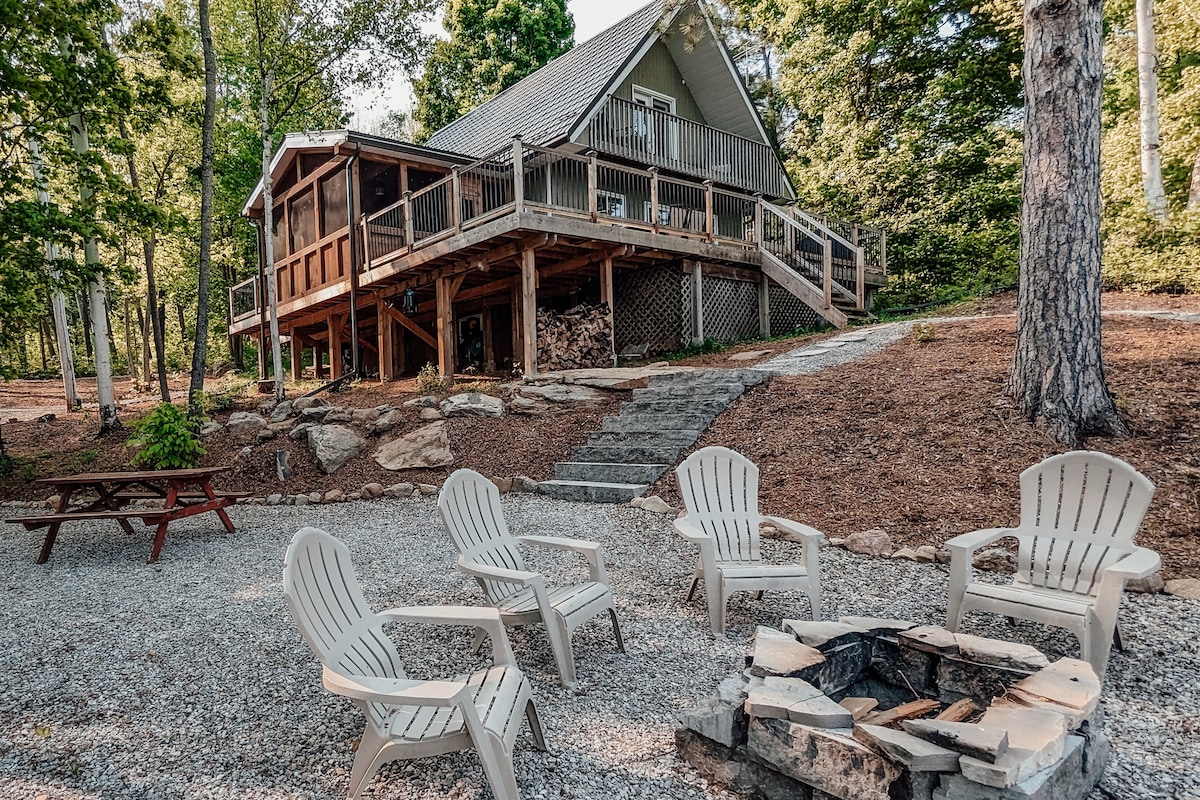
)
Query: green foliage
[
  {"x": 492, "y": 45},
  {"x": 167, "y": 440},
  {"x": 923, "y": 332},
  {"x": 429, "y": 381}
]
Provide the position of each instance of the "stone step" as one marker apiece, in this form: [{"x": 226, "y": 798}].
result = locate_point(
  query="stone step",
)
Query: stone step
[
  {"x": 592, "y": 492},
  {"x": 672, "y": 421},
  {"x": 608, "y": 473},
  {"x": 678, "y": 439},
  {"x": 627, "y": 454},
  {"x": 712, "y": 391},
  {"x": 746, "y": 377},
  {"x": 675, "y": 406}
]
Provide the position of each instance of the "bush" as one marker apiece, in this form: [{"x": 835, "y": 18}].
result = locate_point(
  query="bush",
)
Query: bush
[
  {"x": 168, "y": 440},
  {"x": 429, "y": 381}
]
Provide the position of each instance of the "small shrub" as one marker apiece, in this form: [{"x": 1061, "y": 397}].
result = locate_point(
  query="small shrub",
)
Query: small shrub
[
  {"x": 429, "y": 381},
  {"x": 168, "y": 440},
  {"x": 923, "y": 332}
]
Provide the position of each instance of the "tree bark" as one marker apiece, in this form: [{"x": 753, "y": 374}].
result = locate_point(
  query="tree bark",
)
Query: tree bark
[
  {"x": 200, "y": 349},
  {"x": 96, "y": 298},
  {"x": 269, "y": 238},
  {"x": 1147, "y": 59},
  {"x": 1057, "y": 375}
]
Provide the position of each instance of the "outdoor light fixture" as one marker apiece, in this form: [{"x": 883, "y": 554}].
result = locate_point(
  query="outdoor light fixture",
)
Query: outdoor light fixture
[{"x": 409, "y": 302}]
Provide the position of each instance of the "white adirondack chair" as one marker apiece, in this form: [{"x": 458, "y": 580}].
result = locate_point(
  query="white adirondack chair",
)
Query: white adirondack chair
[
  {"x": 470, "y": 509},
  {"x": 720, "y": 491},
  {"x": 1079, "y": 514},
  {"x": 405, "y": 718}
]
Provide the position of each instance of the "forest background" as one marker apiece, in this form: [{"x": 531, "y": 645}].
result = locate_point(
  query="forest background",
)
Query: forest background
[{"x": 904, "y": 115}]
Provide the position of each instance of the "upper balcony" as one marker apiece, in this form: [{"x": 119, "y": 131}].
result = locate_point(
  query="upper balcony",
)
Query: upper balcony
[{"x": 649, "y": 136}]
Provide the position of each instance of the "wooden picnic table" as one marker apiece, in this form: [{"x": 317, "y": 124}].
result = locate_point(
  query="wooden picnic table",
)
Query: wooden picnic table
[{"x": 185, "y": 493}]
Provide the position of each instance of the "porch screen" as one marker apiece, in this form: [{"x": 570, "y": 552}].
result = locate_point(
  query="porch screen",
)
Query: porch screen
[
  {"x": 302, "y": 222},
  {"x": 333, "y": 203}
]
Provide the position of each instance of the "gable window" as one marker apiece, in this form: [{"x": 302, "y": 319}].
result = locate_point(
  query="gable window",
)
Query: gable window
[{"x": 656, "y": 127}]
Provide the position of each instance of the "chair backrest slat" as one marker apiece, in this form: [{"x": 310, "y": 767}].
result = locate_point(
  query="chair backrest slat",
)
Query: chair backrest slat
[
  {"x": 720, "y": 490},
  {"x": 1084, "y": 508},
  {"x": 470, "y": 508}
]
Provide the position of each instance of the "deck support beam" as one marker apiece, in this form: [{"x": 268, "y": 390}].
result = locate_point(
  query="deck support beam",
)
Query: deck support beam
[
  {"x": 764, "y": 307},
  {"x": 445, "y": 328},
  {"x": 697, "y": 301},
  {"x": 529, "y": 350},
  {"x": 606, "y": 297},
  {"x": 334, "y": 324},
  {"x": 387, "y": 338}
]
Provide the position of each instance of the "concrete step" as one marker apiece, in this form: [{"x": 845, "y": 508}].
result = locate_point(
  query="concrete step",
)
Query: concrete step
[
  {"x": 644, "y": 438},
  {"x": 592, "y": 492},
  {"x": 673, "y": 421},
  {"x": 608, "y": 473},
  {"x": 627, "y": 454},
  {"x": 677, "y": 405}
]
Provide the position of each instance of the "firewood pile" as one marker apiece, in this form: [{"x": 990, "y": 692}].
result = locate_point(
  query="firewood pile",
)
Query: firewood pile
[{"x": 579, "y": 338}]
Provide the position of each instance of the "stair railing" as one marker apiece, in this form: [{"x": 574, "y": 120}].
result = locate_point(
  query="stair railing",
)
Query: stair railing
[{"x": 807, "y": 246}]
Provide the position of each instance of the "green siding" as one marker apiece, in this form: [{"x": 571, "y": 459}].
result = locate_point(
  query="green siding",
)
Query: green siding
[{"x": 657, "y": 71}]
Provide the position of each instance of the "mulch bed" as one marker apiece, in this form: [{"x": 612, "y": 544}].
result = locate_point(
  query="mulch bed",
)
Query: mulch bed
[{"x": 920, "y": 441}]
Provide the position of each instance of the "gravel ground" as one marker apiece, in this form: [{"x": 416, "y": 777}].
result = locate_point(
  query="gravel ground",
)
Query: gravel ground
[{"x": 187, "y": 679}]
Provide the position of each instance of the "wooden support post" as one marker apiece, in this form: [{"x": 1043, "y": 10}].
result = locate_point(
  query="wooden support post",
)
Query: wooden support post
[
  {"x": 489, "y": 346},
  {"x": 455, "y": 199},
  {"x": 408, "y": 221},
  {"x": 758, "y": 219},
  {"x": 697, "y": 302},
  {"x": 860, "y": 271},
  {"x": 764, "y": 307},
  {"x": 334, "y": 324},
  {"x": 445, "y": 329},
  {"x": 518, "y": 346},
  {"x": 592, "y": 188},
  {"x": 827, "y": 272},
  {"x": 883, "y": 252},
  {"x": 654, "y": 197},
  {"x": 518, "y": 176},
  {"x": 387, "y": 337},
  {"x": 529, "y": 352},
  {"x": 297, "y": 356},
  {"x": 318, "y": 361},
  {"x": 264, "y": 356},
  {"x": 709, "y": 216},
  {"x": 606, "y": 297}
]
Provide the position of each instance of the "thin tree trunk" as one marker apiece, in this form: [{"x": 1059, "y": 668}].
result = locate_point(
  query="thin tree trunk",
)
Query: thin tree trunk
[
  {"x": 144, "y": 326},
  {"x": 41, "y": 329},
  {"x": 58, "y": 302},
  {"x": 1057, "y": 375},
  {"x": 1147, "y": 59},
  {"x": 1193, "y": 203},
  {"x": 183, "y": 334},
  {"x": 269, "y": 238},
  {"x": 200, "y": 350},
  {"x": 96, "y": 298},
  {"x": 157, "y": 328},
  {"x": 133, "y": 370}
]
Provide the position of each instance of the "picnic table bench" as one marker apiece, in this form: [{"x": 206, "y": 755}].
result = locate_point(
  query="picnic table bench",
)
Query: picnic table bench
[{"x": 184, "y": 492}]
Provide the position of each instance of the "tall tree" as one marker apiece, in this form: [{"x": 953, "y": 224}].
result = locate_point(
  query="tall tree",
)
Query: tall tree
[
  {"x": 200, "y": 350},
  {"x": 493, "y": 44},
  {"x": 1057, "y": 376},
  {"x": 1147, "y": 62}
]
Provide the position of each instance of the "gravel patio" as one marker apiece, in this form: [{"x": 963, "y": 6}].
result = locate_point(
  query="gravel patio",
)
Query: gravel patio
[{"x": 187, "y": 679}]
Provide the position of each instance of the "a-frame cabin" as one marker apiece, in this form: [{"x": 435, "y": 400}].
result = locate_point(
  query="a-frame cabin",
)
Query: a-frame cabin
[{"x": 631, "y": 173}]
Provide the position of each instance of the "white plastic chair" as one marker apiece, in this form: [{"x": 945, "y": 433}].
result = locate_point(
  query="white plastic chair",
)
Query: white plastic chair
[
  {"x": 1079, "y": 514},
  {"x": 405, "y": 718},
  {"x": 720, "y": 490},
  {"x": 470, "y": 508}
]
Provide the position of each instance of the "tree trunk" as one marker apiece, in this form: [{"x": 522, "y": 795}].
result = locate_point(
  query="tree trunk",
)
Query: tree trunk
[
  {"x": 183, "y": 335},
  {"x": 200, "y": 350},
  {"x": 1193, "y": 203},
  {"x": 1147, "y": 59},
  {"x": 1057, "y": 375},
  {"x": 269, "y": 238},
  {"x": 58, "y": 302},
  {"x": 133, "y": 370},
  {"x": 145, "y": 327}
]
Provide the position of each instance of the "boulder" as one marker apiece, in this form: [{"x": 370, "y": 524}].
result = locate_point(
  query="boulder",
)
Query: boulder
[
  {"x": 210, "y": 427},
  {"x": 905, "y": 553},
  {"x": 1184, "y": 587},
  {"x": 385, "y": 422},
  {"x": 371, "y": 490},
  {"x": 505, "y": 485},
  {"x": 778, "y": 653},
  {"x": 874, "y": 542},
  {"x": 399, "y": 490},
  {"x": 998, "y": 653},
  {"x": 472, "y": 404},
  {"x": 364, "y": 416},
  {"x": 315, "y": 497},
  {"x": 427, "y": 488},
  {"x": 430, "y": 414},
  {"x": 333, "y": 496},
  {"x": 424, "y": 401},
  {"x": 315, "y": 413},
  {"x": 561, "y": 393},
  {"x": 426, "y": 447},
  {"x": 995, "y": 559},
  {"x": 283, "y": 469},
  {"x": 1151, "y": 584},
  {"x": 301, "y": 403},
  {"x": 245, "y": 423},
  {"x": 274, "y": 499},
  {"x": 282, "y": 411},
  {"x": 300, "y": 432},
  {"x": 926, "y": 554},
  {"x": 721, "y": 718},
  {"x": 339, "y": 415},
  {"x": 527, "y": 405},
  {"x": 334, "y": 445},
  {"x": 523, "y": 483},
  {"x": 657, "y": 505}
]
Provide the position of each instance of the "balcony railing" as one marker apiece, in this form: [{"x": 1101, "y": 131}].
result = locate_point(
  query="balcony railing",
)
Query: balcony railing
[{"x": 648, "y": 136}]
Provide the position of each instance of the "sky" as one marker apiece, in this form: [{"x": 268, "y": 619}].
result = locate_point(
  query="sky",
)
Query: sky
[{"x": 591, "y": 17}]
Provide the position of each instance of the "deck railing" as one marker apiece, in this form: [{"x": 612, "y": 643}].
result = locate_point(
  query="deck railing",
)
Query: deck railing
[
  {"x": 649, "y": 136},
  {"x": 588, "y": 188}
]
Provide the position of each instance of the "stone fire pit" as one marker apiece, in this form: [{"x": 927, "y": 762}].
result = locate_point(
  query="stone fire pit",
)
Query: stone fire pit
[{"x": 875, "y": 709}]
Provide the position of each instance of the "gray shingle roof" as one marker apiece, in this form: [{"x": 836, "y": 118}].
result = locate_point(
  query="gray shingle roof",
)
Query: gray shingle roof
[{"x": 543, "y": 106}]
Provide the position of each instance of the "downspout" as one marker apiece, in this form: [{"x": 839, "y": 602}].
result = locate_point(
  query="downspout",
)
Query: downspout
[{"x": 355, "y": 362}]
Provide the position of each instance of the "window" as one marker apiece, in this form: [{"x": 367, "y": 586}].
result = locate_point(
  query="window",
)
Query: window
[
  {"x": 302, "y": 222},
  {"x": 657, "y": 126},
  {"x": 333, "y": 203},
  {"x": 610, "y": 204}
]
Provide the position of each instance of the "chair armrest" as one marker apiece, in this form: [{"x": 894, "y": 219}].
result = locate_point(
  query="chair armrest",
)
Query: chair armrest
[
  {"x": 1138, "y": 564},
  {"x": 807, "y": 531},
  {"x": 968, "y": 543},
  {"x": 485, "y": 619},
  {"x": 394, "y": 691},
  {"x": 690, "y": 531},
  {"x": 489, "y": 573},
  {"x": 589, "y": 550}
]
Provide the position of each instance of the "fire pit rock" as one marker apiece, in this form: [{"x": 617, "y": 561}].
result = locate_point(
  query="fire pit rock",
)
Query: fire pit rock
[{"x": 875, "y": 709}]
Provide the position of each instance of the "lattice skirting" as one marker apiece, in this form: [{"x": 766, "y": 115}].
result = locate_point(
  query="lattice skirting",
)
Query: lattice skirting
[{"x": 789, "y": 312}]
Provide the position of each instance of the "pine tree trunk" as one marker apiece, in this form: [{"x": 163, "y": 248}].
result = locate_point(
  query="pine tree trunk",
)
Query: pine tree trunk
[
  {"x": 1147, "y": 59},
  {"x": 269, "y": 238},
  {"x": 200, "y": 349},
  {"x": 1057, "y": 375}
]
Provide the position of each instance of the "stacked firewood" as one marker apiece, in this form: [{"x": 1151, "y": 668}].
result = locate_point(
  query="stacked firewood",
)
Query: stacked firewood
[{"x": 579, "y": 338}]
